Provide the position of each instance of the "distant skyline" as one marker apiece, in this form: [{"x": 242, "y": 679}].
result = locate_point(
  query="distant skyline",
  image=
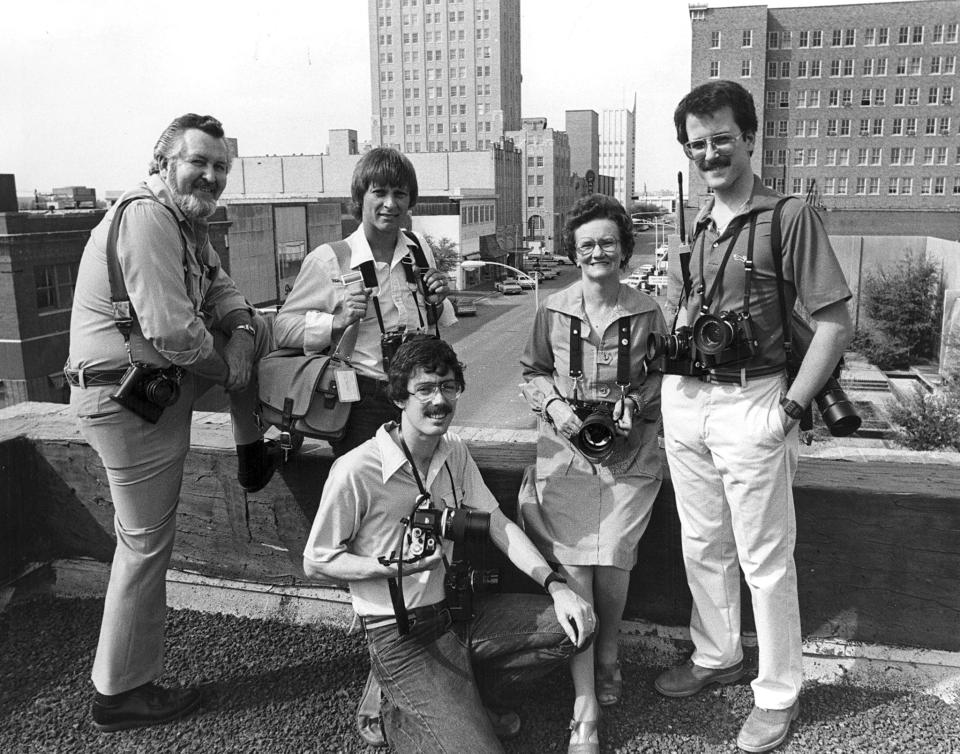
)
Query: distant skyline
[{"x": 85, "y": 89}]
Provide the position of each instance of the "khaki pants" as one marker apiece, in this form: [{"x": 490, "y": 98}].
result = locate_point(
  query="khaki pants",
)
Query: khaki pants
[
  {"x": 144, "y": 466},
  {"x": 732, "y": 469}
]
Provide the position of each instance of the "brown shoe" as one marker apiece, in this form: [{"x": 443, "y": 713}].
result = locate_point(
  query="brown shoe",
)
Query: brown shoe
[
  {"x": 766, "y": 729},
  {"x": 145, "y": 705},
  {"x": 689, "y": 679}
]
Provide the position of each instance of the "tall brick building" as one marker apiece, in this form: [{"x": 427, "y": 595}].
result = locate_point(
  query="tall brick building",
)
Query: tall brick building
[
  {"x": 445, "y": 74},
  {"x": 860, "y": 103}
]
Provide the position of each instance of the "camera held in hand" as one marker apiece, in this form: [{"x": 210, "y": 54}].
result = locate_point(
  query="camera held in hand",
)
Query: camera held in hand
[
  {"x": 391, "y": 341},
  {"x": 428, "y": 525},
  {"x": 724, "y": 340},
  {"x": 679, "y": 355},
  {"x": 462, "y": 581},
  {"x": 597, "y": 430},
  {"x": 147, "y": 391}
]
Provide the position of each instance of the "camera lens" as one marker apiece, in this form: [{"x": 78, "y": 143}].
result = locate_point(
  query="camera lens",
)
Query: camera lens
[
  {"x": 161, "y": 391},
  {"x": 596, "y": 436},
  {"x": 713, "y": 334},
  {"x": 461, "y": 525},
  {"x": 485, "y": 580},
  {"x": 838, "y": 412}
]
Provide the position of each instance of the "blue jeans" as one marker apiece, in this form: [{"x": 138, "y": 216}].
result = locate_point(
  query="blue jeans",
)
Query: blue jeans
[{"x": 438, "y": 678}]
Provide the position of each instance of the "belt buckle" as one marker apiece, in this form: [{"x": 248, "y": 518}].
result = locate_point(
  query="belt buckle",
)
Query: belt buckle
[{"x": 81, "y": 377}]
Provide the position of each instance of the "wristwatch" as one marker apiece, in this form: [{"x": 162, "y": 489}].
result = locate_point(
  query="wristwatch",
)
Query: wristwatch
[
  {"x": 246, "y": 328},
  {"x": 553, "y": 578},
  {"x": 791, "y": 408}
]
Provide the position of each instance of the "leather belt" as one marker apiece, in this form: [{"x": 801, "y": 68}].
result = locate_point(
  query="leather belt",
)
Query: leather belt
[
  {"x": 94, "y": 377},
  {"x": 370, "y": 622},
  {"x": 741, "y": 377},
  {"x": 371, "y": 385}
]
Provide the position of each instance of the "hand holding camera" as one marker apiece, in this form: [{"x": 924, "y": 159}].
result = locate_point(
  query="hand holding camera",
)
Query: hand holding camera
[
  {"x": 435, "y": 288},
  {"x": 355, "y": 300},
  {"x": 564, "y": 418}
]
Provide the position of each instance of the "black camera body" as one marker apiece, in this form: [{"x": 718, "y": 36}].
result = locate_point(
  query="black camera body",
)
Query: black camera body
[
  {"x": 462, "y": 581},
  {"x": 678, "y": 352},
  {"x": 391, "y": 340},
  {"x": 147, "y": 391},
  {"x": 724, "y": 340},
  {"x": 429, "y": 525},
  {"x": 597, "y": 430}
]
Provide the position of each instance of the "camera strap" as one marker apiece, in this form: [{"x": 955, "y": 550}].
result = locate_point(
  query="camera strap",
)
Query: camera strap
[
  {"x": 706, "y": 300},
  {"x": 623, "y": 354},
  {"x": 123, "y": 313},
  {"x": 420, "y": 262},
  {"x": 776, "y": 252}
]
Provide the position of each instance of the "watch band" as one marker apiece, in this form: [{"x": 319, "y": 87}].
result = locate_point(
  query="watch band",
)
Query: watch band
[
  {"x": 246, "y": 328},
  {"x": 553, "y": 578},
  {"x": 791, "y": 408}
]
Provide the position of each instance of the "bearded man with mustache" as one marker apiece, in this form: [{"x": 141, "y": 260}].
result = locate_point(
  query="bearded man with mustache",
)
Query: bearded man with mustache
[
  {"x": 730, "y": 429},
  {"x": 189, "y": 328}
]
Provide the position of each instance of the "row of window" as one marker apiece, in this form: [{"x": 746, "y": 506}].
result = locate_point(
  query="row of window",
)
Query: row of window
[
  {"x": 867, "y": 186},
  {"x": 938, "y": 65},
  {"x": 413, "y": 19},
  {"x": 482, "y": 90},
  {"x": 477, "y": 213},
  {"x": 414, "y": 129},
  {"x": 534, "y": 201},
  {"x": 432, "y": 37},
  {"x": 810, "y": 127},
  {"x": 902, "y": 97},
  {"x": 440, "y": 146},
  {"x": 806, "y": 39},
  {"x": 431, "y": 56},
  {"x": 864, "y": 156}
]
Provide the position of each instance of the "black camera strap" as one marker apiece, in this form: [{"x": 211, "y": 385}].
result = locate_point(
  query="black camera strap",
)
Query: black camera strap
[
  {"x": 623, "y": 354},
  {"x": 123, "y": 313},
  {"x": 707, "y": 300},
  {"x": 776, "y": 252}
]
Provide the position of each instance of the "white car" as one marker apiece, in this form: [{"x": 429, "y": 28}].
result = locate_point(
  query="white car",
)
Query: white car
[{"x": 508, "y": 287}]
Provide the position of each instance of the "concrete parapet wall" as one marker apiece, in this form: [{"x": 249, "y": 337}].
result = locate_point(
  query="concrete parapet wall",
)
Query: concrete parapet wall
[{"x": 878, "y": 556}]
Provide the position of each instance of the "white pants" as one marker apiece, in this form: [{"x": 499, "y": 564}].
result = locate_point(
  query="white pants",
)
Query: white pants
[{"x": 732, "y": 468}]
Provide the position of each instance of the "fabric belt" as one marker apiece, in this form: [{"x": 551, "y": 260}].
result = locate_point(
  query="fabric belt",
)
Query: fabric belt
[
  {"x": 370, "y": 622},
  {"x": 94, "y": 377},
  {"x": 741, "y": 377}
]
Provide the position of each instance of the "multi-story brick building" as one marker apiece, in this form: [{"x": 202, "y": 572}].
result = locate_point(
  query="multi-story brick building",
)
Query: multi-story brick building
[
  {"x": 445, "y": 74},
  {"x": 549, "y": 193},
  {"x": 858, "y": 103}
]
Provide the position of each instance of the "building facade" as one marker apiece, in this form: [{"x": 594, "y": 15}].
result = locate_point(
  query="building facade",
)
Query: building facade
[
  {"x": 617, "y": 150},
  {"x": 857, "y": 104},
  {"x": 548, "y": 188},
  {"x": 445, "y": 74}
]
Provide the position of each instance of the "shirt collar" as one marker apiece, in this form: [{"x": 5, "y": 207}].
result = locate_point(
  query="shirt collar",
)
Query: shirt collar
[
  {"x": 158, "y": 187},
  {"x": 393, "y": 459},
  {"x": 760, "y": 198},
  {"x": 361, "y": 252},
  {"x": 570, "y": 301}
]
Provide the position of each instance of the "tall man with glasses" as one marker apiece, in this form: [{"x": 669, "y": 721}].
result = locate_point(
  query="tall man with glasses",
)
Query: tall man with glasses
[
  {"x": 443, "y": 679},
  {"x": 731, "y": 432}
]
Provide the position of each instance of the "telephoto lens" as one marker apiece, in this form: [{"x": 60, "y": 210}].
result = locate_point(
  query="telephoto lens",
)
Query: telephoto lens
[
  {"x": 462, "y": 525},
  {"x": 596, "y": 436},
  {"x": 837, "y": 411}
]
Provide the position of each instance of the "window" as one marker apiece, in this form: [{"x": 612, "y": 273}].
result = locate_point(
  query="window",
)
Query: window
[
  {"x": 814, "y": 99},
  {"x": 846, "y": 97},
  {"x": 849, "y": 37},
  {"x": 917, "y": 37},
  {"x": 916, "y": 65},
  {"x": 875, "y": 155},
  {"x": 772, "y": 99},
  {"x": 843, "y": 156},
  {"x": 901, "y": 66},
  {"x": 952, "y": 32},
  {"x": 899, "y": 96},
  {"x": 812, "y": 157},
  {"x": 747, "y": 40},
  {"x": 874, "y": 184},
  {"x": 928, "y": 155},
  {"x": 842, "y": 186},
  {"x": 877, "y": 128},
  {"x": 908, "y": 155},
  {"x": 831, "y": 127},
  {"x": 879, "y": 97},
  {"x": 881, "y": 66},
  {"x": 937, "y": 34},
  {"x": 935, "y": 65},
  {"x": 834, "y": 68},
  {"x": 883, "y": 35},
  {"x": 925, "y": 186},
  {"x": 844, "y": 126},
  {"x": 894, "y": 155},
  {"x": 906, "y": 186},
  {"x": 797, "y": 186},
  {"x": 913, "y": 95},
  {"x": 897, "y": 128},
  {"x": 940, "y": 156},
  {"x": 892, "y": 187},
  {"x": 815, "y": 69},
  {"x": 831, "y": 157},
  {"x": 813, "y": 128},
  {"x": 772, "y": 69},
  {"x": 956, "y": 186},
  {"x": 798, "y": 155},
  {"x": 782, "y": 128},
  {"x": 801, "y": 69},
  {"x": 848, "y": 67},
  {"x": 816, "y": 39},
  {"x": 804, "y": 39},
  {"x": 829, "y": 186},
  {"x": 833, "y": 98},
  {"x": 904, "y": 35},
  {"x": 867, "y": 69},
  {"x": 861, "y": 186},
  {"x": 715, "y": 40},
  {"x": 785, "y": 99},
  {"x": 837, "y": 38},
  {"x": 55, "y": 283},
  {"x": 869, "y": 37},
  {"x": 714, "y": 69},
  {"x": 745, "y": 69},
  {"x": 931, "y": 127}
]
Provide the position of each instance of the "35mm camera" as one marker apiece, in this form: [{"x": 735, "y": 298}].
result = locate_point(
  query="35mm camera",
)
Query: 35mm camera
[
  {"x": 147, "y": 391},
  {"x": 429, "y": 525}
]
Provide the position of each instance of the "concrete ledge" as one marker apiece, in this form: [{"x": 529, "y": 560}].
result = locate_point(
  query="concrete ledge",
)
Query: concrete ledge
[{"x": 824, "y": 660}]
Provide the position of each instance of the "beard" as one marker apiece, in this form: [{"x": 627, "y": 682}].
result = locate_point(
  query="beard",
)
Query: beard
[{"x": 192, "y": 205}]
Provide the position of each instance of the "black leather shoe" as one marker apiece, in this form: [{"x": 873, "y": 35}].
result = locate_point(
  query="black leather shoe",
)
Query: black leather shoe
[
  {"x": 145, "y": 705},
  {"x": 256, "y": 463}
]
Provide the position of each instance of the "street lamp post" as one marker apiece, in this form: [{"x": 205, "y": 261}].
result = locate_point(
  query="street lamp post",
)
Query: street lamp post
[{"x": 476, "y": 264}]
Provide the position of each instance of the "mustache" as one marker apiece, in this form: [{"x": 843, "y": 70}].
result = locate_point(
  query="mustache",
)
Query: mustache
[
  {"x": 720, "y": 161},
  {"x": 438, "y": 412}
]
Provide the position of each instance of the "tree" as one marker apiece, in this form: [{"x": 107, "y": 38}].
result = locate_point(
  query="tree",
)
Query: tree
[
  {"x": 648, "y": 210},
  {"x": 444, "y": 252}
]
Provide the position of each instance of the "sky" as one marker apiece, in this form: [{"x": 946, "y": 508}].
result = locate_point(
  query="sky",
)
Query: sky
[{"x": 86, "y": 88}]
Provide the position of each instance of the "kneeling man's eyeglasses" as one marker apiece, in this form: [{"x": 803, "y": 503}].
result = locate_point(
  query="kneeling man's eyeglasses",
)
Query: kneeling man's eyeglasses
[{"x": 425, "y": 391}]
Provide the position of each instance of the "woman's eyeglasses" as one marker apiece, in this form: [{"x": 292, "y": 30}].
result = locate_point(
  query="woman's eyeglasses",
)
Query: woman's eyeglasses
[
  {"x": 722, "y": 143},
  {"x": 588, "y": 245}
]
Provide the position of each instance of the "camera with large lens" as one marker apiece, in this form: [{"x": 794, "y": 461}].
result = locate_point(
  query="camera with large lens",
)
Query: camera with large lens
[
  {"x": 391, "y": 341},
  {"x": 428, "y": 525},
  {"x": 147, "y": 391},
  {"x": 462, "y": 581},
  {"x": 679, "y": 355},
  {"x": 597, "y": 430},
  {"x": 726, "y": 339}
]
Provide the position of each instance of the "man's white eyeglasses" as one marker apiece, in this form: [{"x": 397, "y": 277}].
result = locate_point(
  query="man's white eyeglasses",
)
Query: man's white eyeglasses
[
  {"x": 450, "y": 389},
  {"x": 720, "y": 142},
  {"x": 588, "y": 245}
]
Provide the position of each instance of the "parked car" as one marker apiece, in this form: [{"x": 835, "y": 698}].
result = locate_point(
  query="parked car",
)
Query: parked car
[
  {"x": 527, "y": 283},
  {"x": 634, "y": 280},
  {"x": 548, "y": 273},
  {"x": 464, "y": 307},
  {"x": 508, "y": 286},
  {"x": 645, "y": 269}
]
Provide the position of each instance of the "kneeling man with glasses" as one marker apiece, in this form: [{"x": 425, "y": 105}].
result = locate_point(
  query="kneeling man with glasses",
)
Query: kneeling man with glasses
[{"x": 388, "y": 516}]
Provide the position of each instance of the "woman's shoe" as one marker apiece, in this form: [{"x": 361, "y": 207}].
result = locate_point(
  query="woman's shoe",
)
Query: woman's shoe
[
  {"x": 609, "y": 684},
  {"x": 588, "y": 740}
]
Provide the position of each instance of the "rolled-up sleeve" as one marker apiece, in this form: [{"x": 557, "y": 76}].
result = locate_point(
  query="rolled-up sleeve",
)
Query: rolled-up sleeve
[
  {"x": 150, "y": 251},
  {"x": 306, "y": 318},
  {"x": 537, "y": 362},
  {"x": 338, "y": 516}
]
